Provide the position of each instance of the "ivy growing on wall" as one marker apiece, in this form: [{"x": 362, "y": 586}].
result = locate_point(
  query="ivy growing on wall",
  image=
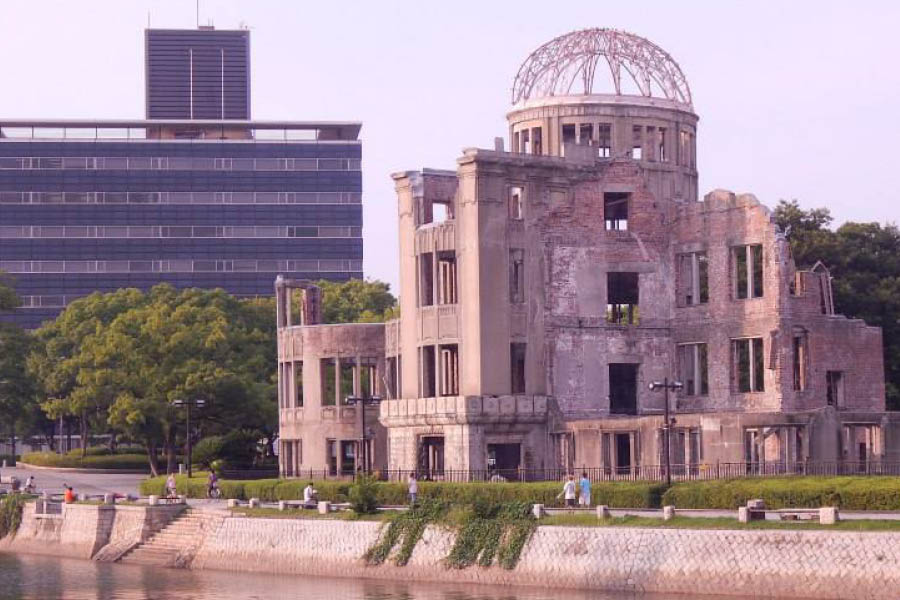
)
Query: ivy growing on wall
[
  {"x": 485, "y": 532},
  {"x": 10, "y": 514}
]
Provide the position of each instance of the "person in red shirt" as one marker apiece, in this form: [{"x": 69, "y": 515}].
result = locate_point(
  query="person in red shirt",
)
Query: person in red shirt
[{"x": 69, "y": 496}]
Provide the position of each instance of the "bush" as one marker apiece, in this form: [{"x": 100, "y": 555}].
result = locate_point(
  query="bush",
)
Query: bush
[
  {"x": 850, "y": 493},
  {"x": 115, "y": 461},
  {"x": 207, "y": 450},
  {"x": 364, "y": 495}
]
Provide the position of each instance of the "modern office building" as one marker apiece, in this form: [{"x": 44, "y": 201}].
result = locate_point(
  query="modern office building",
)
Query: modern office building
[{"x": 208, "y": 202}]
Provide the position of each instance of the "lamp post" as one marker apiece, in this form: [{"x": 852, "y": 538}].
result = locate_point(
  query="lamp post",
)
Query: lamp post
[
  {"x": 666, "y": 385},
  {"x": 362, "y": 402},
  {"x": 199, "y": 403}
]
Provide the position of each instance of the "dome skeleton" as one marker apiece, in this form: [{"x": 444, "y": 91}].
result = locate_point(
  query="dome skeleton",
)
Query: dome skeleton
[{"x": 554, "y": 68}]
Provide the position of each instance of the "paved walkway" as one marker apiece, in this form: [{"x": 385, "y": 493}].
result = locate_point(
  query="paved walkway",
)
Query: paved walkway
[{"x": 82, "y": 483}]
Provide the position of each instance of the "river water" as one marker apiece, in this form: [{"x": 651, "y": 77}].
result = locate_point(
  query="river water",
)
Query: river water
[{"x": 47, "y": 578}]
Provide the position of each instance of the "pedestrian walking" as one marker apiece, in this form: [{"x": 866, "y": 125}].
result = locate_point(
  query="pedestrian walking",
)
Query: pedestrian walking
[
  {"x": 69, "y": 496},
  {"x": 171, "y": 486},
  {"x": 413, "y": 489},
  {"x": 568, "y": 491},
  {"x": 584, "y": 489}
]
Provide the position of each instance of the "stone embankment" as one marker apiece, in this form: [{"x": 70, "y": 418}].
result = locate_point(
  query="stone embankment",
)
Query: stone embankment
[{"x": 807, "y": 564}]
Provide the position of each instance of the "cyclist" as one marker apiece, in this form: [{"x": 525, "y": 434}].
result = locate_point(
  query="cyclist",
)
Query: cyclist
[{"x": 212, "y": 485}]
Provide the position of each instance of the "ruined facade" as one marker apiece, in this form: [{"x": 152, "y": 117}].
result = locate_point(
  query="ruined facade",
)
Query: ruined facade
[{"x": 542, "y": 290}]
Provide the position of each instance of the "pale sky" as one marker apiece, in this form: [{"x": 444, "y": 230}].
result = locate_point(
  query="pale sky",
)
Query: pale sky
[{"x": 796, "y": 99}]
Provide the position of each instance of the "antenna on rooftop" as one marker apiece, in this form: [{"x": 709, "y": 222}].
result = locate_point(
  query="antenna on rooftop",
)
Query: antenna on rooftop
[{"x": 198, "y": 14}]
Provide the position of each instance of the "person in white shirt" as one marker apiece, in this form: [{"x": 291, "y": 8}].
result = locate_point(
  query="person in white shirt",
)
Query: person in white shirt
[
  {"x": 309, "y": 495},
  {"x": 413, "y": 489},
  {"x": 569, "y": 491}
]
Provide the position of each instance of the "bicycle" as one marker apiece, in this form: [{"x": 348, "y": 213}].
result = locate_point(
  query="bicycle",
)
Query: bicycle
[{"x": 214, "y": 493}]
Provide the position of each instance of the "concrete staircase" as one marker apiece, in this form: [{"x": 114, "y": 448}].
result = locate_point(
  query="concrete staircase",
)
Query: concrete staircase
[{"x": 176, "y": 544}]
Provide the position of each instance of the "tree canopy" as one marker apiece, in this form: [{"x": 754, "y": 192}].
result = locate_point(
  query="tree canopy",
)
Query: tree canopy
[
  {"x": 864, "y": 260},
  {"x": 118, "y": 362},
  {"x": 356, "y": 301}
]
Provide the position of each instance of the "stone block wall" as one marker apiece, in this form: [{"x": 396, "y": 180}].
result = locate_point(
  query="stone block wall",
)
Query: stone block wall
[{"x": 813, "y": 564}]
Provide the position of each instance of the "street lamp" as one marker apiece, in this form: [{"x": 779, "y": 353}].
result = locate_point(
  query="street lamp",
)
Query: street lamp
[
  {"x": 199, "y": 403},
  {"x": 666, "y": 385},
  {"x": 363, "y": 402}
]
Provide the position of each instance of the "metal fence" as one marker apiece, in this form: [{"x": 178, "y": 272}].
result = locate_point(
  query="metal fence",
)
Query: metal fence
[{"x": 657, "y": 473}]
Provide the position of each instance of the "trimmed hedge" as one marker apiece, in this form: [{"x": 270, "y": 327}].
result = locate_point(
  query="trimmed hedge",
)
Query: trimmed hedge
[
  {"x": 850, "y": 493},
  {"x": 115, "y": 461},
  {"x": 623, "y": 495}
]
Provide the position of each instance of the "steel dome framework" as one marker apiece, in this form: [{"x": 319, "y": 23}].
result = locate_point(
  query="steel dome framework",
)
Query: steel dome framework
[{"x": 557, "y": 67}]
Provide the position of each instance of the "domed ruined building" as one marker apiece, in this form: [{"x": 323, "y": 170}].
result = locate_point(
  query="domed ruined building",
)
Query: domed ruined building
[{"x": 544, "y": 287}]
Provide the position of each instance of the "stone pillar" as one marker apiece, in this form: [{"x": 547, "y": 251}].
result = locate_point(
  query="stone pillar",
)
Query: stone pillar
[
  {"x": 109, "y": 499},
  {"x": 254, "y": 502},
  {"x": 537, "y": 510},
  {"x": 603, "y": 511},
  {"x": 153, "y": 500},
  {"x": 324, "y": 508},
  {"x": 668, "y": 513},
  {"x": 829, "y": 515},
  {"x": 743, "y": 514},
  {"x": 232, "y": 503}
]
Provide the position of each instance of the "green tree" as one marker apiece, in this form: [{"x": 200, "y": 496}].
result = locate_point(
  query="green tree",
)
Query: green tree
[
  {"x": 179, "y": 346},
  {"x": 17, "y": 398},
  {"x": 356, "y": 301},
  {"x": 8, "y": 298},
  {"x": 864, "y": 260},
  {"x": 56, "y": 360}
]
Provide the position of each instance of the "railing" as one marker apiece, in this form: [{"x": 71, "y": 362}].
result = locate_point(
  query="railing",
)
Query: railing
[{"x": 680, "y": 472}]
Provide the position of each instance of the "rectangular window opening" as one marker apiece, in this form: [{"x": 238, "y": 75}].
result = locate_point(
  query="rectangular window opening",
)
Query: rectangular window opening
[
  {"x": 348, "y": 379},
  {"x": 426, "y": 279},
  {"x": 623, "y": 388},
  {"x": 622, "y": 298},
  {"x": 329, "y": 381},
  {"x": 615, "y": 210},
  {"x": 516, "y": 201},
  {"x": 517, "y": 367},
  {"x": 516, "y": 276},
  {"x": 298, "y": 383},
  {"x": 693, "y": 279},
  {"x": 747, "y": 271},
  {"x": 604, "y": 140},
  {"x": 835, "y": 388},
  {"x": 800, "y": 361},
  {"x": 427, "y": 372},
  {"x": 637, "y": 143},
  {"x": 447, "y": 293},
  {"x": 449, "y": 370},
  {"x": 692, "y": 368},
  {"x": 747, "y": 365}
]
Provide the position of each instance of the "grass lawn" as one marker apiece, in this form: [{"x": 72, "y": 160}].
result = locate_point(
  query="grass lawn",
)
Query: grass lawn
[
  {"x": 589, "y": 520},
  {"x": 301, "y": 513}
]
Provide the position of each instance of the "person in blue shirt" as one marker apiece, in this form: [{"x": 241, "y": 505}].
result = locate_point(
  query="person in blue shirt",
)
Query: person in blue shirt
[{"x": 584, "y": 497}]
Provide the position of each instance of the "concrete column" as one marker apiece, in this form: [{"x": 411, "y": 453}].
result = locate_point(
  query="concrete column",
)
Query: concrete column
[{"x": 829, "y": 515}]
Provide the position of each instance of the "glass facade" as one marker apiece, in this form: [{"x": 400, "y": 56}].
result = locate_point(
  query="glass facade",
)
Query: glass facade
[{"x": 78, "y": 216}]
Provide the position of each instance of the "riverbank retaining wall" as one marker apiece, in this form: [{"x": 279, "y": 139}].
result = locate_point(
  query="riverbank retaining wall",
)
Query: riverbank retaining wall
[
  {"x": 101, "y": 532},
  {"x": 777, "y": 563}
]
